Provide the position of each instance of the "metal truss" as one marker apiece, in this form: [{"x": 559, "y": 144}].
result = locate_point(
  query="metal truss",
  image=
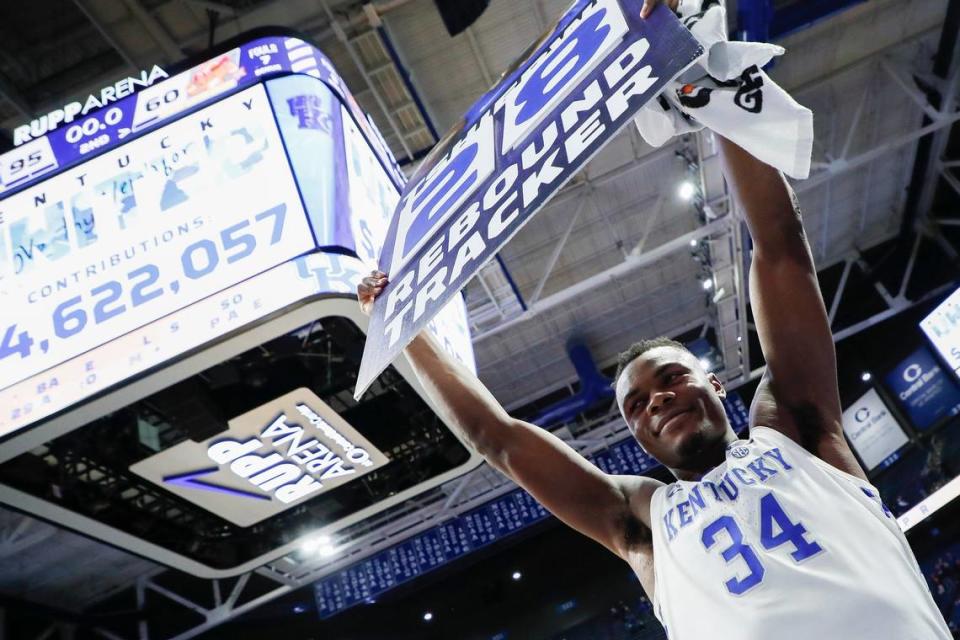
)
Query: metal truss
[
  {"x": 171, "y": 50},
  {"x": 726, "y": 264},
  {"x": 365, "y": 73}
]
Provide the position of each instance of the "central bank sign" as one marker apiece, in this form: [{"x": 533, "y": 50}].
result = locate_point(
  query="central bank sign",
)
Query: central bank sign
[
  {"x": 926, "y": 393},
  {"x": 873, "y": 431},
  {"x": 271, "y": 458},
  {"x": 515, "y": 148}
]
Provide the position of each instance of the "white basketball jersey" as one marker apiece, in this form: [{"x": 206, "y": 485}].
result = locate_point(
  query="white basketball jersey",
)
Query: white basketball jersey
[{"x": 776, "y": 543}]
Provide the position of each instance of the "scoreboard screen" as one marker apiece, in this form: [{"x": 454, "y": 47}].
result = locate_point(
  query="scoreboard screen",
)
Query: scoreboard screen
[
  {"x": 942, "y": 327},
  {"x": 112, "y": 227},
  {"x": 135, "y": 234},
  {"x": 132, "y": 213}
]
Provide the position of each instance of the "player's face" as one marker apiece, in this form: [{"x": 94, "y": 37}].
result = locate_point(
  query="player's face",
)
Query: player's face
[{"x": 673, "y": 407}]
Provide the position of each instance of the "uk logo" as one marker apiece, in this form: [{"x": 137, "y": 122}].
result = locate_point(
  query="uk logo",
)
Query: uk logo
[{"x": 310, "y": 112}]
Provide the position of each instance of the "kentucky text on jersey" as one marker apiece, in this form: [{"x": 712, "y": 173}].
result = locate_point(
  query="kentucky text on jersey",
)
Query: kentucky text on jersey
[{"x": 707, "y": 493}]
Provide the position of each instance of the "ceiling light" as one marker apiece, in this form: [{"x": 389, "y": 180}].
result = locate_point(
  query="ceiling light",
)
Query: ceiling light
[
  {"x": 427, "y": 617},
  {"x": 866, "y": 376},
  {"x": 516, "y": 575},
  {"x": 318, "y": 545},
  {"x": 707, "y": 284},
  {"x": 693, "y": 243},
  {"x": 313, "y": 543},
  {"x": 686, "y": 190}
]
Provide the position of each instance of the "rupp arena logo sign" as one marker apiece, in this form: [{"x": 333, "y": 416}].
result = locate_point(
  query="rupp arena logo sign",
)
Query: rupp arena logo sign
[
  {"x": 271, "y": 458},
  {"x": 69, "y": 112},
  {"x": 519, "y": 144}
]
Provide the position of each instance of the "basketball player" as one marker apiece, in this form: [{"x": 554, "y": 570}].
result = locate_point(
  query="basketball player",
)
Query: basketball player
[{"x": 779, "y": 536}]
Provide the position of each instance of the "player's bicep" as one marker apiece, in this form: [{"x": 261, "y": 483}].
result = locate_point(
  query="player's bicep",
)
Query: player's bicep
[
  {"x": 795, "y": 333},
  {"x": 817, "y": 431},
  {"x": 569, "y": 486}
]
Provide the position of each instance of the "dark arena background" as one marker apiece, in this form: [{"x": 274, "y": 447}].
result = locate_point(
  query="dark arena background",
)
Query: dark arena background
[{"x": 190, "y": 191}]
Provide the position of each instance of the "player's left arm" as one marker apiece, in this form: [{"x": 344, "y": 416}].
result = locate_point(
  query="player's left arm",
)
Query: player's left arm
[{"x": 798, "y": 395}]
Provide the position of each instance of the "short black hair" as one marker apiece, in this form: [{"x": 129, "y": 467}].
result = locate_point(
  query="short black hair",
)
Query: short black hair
[{"x": 637, "y": 349}]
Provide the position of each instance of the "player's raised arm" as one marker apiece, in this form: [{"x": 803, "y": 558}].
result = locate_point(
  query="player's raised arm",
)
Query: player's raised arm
[
  {"x": 798, "y": 395},
  {"x": 613, "y": 510}
]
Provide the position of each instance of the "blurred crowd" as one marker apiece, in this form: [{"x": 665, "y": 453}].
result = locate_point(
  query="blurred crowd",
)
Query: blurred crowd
[{"x": 943, "y": 576}]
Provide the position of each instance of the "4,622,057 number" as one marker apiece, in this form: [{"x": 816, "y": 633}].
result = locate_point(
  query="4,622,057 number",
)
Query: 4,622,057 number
[{"x": 115, "y": 297}]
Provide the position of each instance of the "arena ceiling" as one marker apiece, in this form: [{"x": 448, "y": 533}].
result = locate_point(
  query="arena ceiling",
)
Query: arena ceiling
[{"x": 610, "y": 258}]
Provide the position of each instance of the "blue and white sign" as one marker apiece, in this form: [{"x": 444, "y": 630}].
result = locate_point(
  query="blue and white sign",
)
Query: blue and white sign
[
  {"x": 270, "y": 459},
  {"x": 875, "y": 434},
  {"x": 925, "y": 392},
  {"x": 537, "y": 128},
  {"x": 942, "y": 327}
]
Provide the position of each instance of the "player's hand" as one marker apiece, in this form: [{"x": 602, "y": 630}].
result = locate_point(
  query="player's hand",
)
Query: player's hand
[
  {"x": 369, "y": 288},
  {"x": 648, "y": 6}
]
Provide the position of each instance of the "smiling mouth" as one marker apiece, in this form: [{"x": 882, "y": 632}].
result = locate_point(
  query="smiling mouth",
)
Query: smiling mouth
[{"x": 672, "y": 420}]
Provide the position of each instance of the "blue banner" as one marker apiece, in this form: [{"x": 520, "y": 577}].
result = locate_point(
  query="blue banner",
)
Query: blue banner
[
  {"x": 737, "y": 412},
  {"x": 528, "y": 136},
  {"x": 925, "y": 392}
]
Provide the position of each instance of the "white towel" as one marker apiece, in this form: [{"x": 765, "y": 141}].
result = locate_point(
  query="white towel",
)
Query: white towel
[{"x": 728, "y": 92}]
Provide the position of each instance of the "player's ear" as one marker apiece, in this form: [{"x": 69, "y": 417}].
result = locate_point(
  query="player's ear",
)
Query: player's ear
[{"x": 717, "y": 385}]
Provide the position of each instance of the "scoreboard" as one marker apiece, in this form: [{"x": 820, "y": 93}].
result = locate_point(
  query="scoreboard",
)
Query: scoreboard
[
  {"x": 198, "y": 225},
  {"x": 98, "y": 240},
  {"x": 942, "y": 328},
  {"x": 136, "y": 234}
]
